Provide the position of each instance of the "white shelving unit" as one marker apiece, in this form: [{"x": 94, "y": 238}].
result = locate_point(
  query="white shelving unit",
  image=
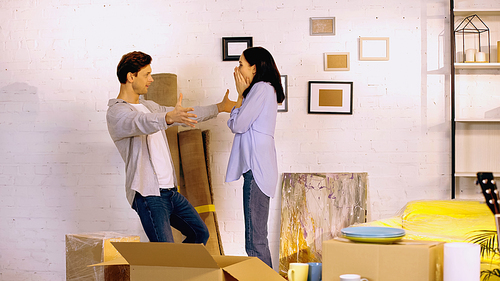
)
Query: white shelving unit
[{"x": 475, "y": 100}]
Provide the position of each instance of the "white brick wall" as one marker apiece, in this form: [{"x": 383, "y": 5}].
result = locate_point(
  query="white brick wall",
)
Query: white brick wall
[{"x": 60, "y": 173}]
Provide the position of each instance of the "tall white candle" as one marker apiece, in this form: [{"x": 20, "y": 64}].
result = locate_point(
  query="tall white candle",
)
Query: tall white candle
[
  {"x": 462, "y": 261},
  {"x": 469, "y": 55}
]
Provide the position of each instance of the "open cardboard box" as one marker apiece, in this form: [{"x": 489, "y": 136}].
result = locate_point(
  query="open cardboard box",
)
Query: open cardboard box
[
  {"x": 408, "y": 260},
  {"x": 151, "y": 261}
]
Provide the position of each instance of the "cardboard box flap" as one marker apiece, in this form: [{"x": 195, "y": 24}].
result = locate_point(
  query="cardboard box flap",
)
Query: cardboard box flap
[
  {"x": 118, "y": 261},
  {"x": 247, "y": 268},
  {"x": 166, "y": 254}
]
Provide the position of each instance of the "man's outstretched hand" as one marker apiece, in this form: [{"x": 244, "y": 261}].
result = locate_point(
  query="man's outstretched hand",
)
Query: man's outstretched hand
[
  {"x": 226, "y": 104},
  {"x": 181, "y": 114}
]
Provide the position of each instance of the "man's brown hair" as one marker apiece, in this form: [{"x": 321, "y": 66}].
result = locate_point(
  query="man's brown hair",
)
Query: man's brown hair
[{"x": 132, "y": 62}]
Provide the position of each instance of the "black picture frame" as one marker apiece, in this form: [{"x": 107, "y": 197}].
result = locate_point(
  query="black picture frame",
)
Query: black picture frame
[
  {"x": 330, "y": 97},
  {"x": 232, "y": 47},
  {"x": 283, "y": 107}
]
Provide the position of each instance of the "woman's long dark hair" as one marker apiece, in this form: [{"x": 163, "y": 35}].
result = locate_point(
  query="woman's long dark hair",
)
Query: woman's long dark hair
[{"x": 266, "y": 70}]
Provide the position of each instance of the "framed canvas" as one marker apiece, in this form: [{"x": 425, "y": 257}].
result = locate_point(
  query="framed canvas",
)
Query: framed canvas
[
  {"x": 374, "y": 48},
  {"x": 315, "y": 207},
  {"x": 232, "y": 47},
  {"x": 283, "y": 107},
  {"x": 322, "y": 26},
  {"x": 329, "y": 97},
  {"x": 336, "y": 61}
]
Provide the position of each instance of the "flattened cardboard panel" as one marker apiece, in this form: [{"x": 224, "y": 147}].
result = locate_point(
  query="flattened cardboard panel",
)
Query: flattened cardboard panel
[
  {"x": 206, "y": 144},
  {"x": 194, "y": 168},
  {"x": 154, "y": 273},
  {"x": 166, "y": 254}
]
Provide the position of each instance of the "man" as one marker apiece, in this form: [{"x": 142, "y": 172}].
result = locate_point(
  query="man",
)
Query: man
[{"x": 137, "y": 127}]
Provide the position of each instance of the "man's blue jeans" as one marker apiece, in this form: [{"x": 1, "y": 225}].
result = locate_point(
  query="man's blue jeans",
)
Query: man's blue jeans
[
  {"x": 256, "y": 212},
  {"x": 158, "y": 213}
]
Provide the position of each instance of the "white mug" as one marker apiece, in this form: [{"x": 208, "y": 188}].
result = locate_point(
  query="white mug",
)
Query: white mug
[{"x": 351, "y": 277}]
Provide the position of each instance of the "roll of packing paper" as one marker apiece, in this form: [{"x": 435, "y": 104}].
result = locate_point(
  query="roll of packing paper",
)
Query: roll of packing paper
[
  {"x": 481, "y": 57},
  {"x": 461, "y": 262}
]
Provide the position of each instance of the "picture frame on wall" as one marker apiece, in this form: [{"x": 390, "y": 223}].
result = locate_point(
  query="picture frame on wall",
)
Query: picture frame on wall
[
  {"x": 330, "y": 97},
  {"x": 232, "y": 47},
  {"x": 339, "y": 61},
  {"x": 322, "y": 26},
  {"x": 283, "y": 107},
  {"x": 374, "y": 48}
]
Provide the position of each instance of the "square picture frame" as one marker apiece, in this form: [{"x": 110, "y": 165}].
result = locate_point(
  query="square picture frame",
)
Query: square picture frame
[
  {"x": 374, "y": 48},
  {"x": 232, "y": 47},
  {"x": 330, "y": 97},
  {"x": 322, "y": 26},
  {"x": 283, "y": 107},
  {"x": 337, "y": 61}
]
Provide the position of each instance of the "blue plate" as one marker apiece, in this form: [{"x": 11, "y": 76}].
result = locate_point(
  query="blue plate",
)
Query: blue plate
[
  {"x": 385, "y": 240},
  {"x": 373, "y": 232}
]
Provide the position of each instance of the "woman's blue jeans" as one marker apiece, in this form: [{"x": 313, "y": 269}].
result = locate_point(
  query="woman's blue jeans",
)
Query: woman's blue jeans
[
  {"x": 256, "y": 212},
  {"x": 158, "y": 213}
]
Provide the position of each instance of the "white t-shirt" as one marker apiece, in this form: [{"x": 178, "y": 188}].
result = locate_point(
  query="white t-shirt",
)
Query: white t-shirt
[{"x": 160, "y": 156}]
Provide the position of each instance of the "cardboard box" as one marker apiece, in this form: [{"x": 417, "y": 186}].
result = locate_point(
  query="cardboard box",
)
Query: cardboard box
[
  {"x": 90, "y": 248},
  {"x": 150, "y": 261},
  {"x": 406, "y": 260}
]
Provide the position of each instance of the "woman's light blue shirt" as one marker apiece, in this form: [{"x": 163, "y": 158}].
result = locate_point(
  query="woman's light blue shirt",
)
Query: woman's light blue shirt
[{"x": 253, "y": 147}]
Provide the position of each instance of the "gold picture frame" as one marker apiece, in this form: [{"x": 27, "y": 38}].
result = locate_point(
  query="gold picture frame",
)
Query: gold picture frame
[{"x": 339, "y": 61}]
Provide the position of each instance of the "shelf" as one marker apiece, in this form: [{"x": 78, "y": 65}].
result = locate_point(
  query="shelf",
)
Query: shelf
[
  {"x": 478, "y": 65},
  {"x": 490, "y": 120},
  {"x": 470, "y": 174},
  {"x": 482, "y": 12}
]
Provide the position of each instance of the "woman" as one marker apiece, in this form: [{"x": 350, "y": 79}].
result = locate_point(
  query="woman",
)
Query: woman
[{"x": 253, "y": 154}]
